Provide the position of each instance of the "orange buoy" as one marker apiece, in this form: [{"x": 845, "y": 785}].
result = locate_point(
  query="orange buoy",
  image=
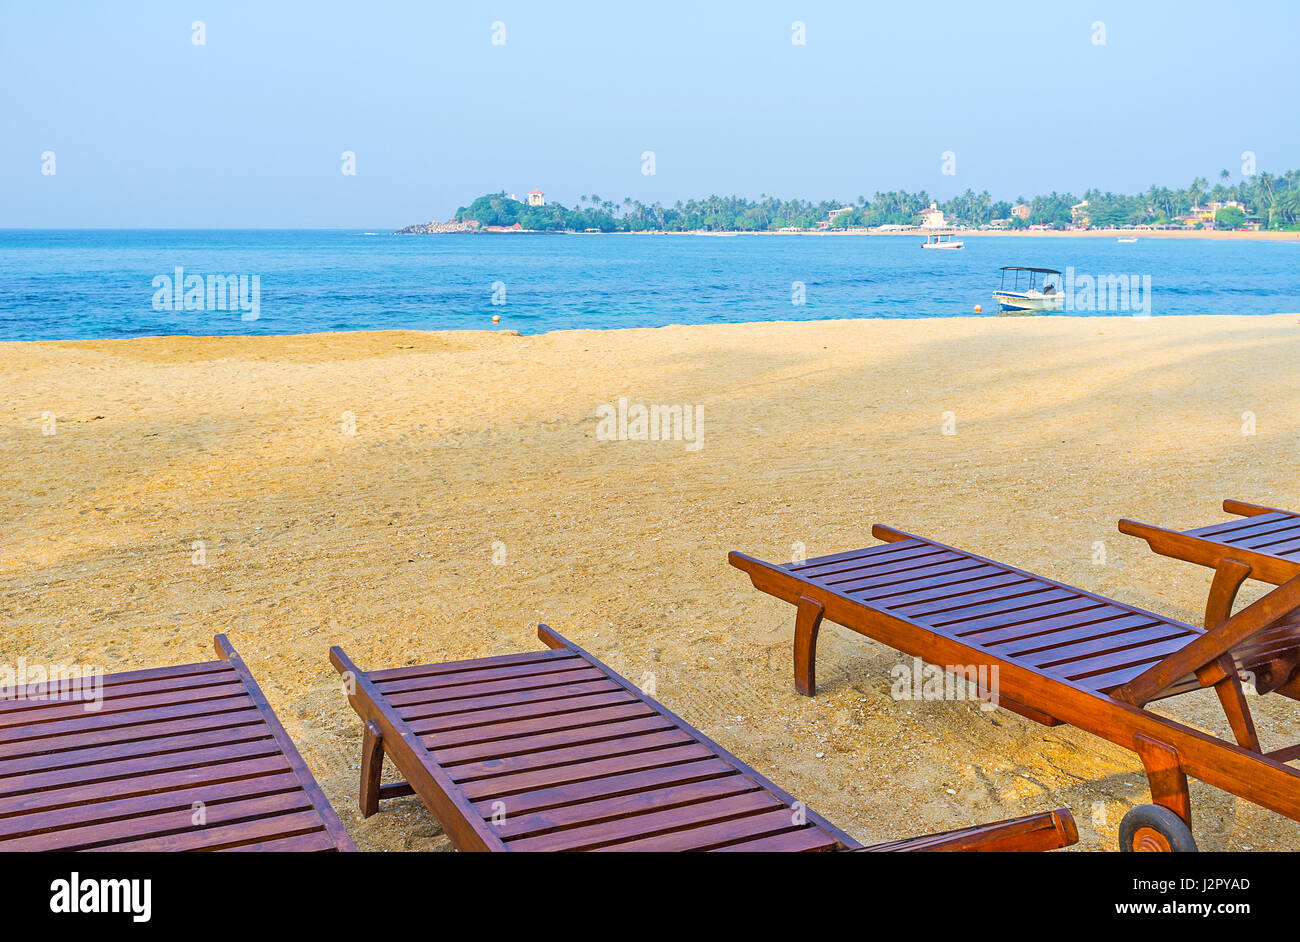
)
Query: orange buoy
[
  {"x": 978, "y": 309},
  {"x": 496, "y": 318}
]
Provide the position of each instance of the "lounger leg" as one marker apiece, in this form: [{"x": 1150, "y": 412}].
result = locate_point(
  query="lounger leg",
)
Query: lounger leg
[
  {"x": 1222, "y": 676},
  {"x": 1228, "y": 578},
  {"x": 806, "y": 623},
  {"x": 1165, "y": 776},
  {"x": 372, "y": 765}
]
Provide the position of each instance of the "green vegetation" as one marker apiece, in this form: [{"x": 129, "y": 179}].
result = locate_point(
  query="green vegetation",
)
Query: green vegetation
[
  {"x": 1273, "y": 200},
  {"x": 1230, "y": 217}
]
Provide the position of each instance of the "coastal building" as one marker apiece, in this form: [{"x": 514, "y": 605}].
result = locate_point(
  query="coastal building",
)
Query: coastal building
[
  {"x": 1204, "y": 215},
  {"x": 932, "y": 218},
  {"x": 1079, "y": 214},
  {"x": 536, "y": 198},
  {"x": 1021, "y": 211},
  {"x": 832, "y": 217}
]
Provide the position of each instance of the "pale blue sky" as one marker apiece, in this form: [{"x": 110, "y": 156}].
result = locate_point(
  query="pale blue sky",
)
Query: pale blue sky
[{"x": 247, "y": 131}]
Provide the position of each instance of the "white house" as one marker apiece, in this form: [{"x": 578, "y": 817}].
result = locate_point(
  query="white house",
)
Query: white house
[{"x": 932, "y": 218}]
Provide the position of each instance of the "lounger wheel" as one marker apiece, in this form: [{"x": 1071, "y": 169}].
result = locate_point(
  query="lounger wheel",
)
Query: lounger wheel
[{"x": 1155, "y": 828}]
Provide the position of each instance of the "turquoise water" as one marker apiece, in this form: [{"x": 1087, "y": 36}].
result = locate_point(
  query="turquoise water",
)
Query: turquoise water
[{"x": 100, "y": 283}]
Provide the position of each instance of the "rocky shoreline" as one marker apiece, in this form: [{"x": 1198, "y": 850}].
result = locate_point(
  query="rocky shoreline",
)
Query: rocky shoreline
[{"x": 437, "y": 228}]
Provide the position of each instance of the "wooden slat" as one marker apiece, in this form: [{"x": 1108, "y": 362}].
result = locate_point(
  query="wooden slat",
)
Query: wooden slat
[
  {"x": 164, "y": 824},
  {"x": 313, "y": 842},
  {"x": 447, "y": 704},
  {"x": 1002, "y": 625},
  {"x": 504, "y": 786},
  {"x": 1083, "y": 668},
  {"x": 215, "y": 838},
  {"x": 544, "y": 724},
  {"x": 382, "y": 677},
  {"x": 1218, "y": 530},
  {"x": 1011, "y": 609},
  {"x": 1288, "y": 551},
  {"x": 480, "y": 678},
  {"x": 129, "y": 768},
  {"x": 610, "y": 787},
  {"x": 1265, "y": 539},
  {"x": 112, "y": 708},
  {"x": 116, "y": 735},
  {"x": 960, "y": 593},
  {"x": 816, "y": 566},
  {"x": 651, "y": 825},
  {"x": 522, "y": 745},
  {"x": 568, "y": 755},
  {"x": 1011, "y": 591},
  {"x": 1100, "y": 645},
  {"x": 802, "y": 841},
  {"x": 157, "y": 746},
  {"x": 90, "y": 723},
  {"x": 1057, "y": 638},
  {"x": 431, "y": 721},
  {"x": 125, "y": 809},
  {"x": 17, "y": 698},
  {"x": 612, "y": 809},
  {"x": 162, "y": 780},
  {"x": 710, "y": 836},
  {"x": 898, "y": 570}
]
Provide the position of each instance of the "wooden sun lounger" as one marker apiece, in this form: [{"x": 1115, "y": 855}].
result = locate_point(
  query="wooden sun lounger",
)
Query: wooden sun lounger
[
  {"x": 1263, "y": 545},
  {"x": 1265, "y": 539},
  {"x": 1064, "y": 655},
  {"x": 174, "y": 758},
  {"x": 552, "y": 750}
]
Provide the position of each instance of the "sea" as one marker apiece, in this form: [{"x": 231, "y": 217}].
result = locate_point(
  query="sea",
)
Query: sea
[{"x": 92, "y": 284}]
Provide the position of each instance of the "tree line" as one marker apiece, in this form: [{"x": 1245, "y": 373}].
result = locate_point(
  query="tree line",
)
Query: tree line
[{"x": 1274, "y": 200}]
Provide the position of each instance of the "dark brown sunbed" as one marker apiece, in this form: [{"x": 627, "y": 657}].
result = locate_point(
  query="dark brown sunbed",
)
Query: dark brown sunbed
[
  {"x": 1264, "y": 545},
  {"x": 1265, "y": 539},
  {"x": 174, "y": 758},
  {"x": 1062, "y": 655},
  {"x": 552, "y": 750}
]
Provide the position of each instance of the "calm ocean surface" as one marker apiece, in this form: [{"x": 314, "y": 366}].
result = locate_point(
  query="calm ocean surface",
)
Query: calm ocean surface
[{"x": 99, "y": 283}]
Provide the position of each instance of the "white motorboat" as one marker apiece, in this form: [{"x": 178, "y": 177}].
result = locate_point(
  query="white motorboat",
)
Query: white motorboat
[
  {"x": 1030, "y": 298},
  {"x": 941, "y": 241}
]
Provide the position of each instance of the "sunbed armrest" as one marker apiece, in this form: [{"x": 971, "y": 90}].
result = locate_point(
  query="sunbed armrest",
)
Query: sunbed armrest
[
  {"x": 1243, "y": 509},
  {"x": 1047, "y": 830}
]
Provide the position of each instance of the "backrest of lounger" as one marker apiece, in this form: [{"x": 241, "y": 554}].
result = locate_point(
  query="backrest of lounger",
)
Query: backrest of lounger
[
  {"x": 1266, "y": 539},
  {"x": 175, "y": 758},
  {"x": 1275, "y": 533}
]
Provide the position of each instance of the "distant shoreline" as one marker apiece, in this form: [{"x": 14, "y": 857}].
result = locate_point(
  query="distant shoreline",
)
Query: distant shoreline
[{"x": 1214, "y": 234}]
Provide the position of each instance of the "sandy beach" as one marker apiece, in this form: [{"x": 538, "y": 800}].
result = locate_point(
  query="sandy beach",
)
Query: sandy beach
[{"x": 426, "y": 496}]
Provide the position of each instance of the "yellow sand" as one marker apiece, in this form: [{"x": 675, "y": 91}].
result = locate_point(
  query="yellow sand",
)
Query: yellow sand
[{"x": 383, "y": 541}]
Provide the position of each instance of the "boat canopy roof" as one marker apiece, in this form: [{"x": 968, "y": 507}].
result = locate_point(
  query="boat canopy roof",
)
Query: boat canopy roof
[{"x": 1041, "y": 271}]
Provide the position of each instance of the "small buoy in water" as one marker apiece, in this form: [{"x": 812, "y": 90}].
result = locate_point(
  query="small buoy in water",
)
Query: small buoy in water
[
  {"x": 978, "y": 309},
  {"x": 496, "y": 318}
]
